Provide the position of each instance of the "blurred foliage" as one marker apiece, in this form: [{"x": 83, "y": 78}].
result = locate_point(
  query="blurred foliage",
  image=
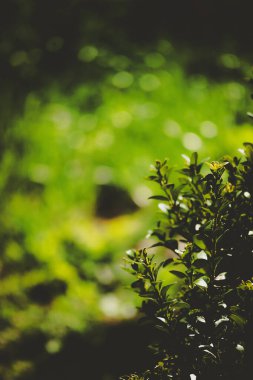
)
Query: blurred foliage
[
  {"x": 89, "y": 97},
  {"x": 199, "y": 296}
]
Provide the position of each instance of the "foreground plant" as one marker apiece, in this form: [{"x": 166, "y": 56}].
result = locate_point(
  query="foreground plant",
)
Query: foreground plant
[{"x": 200, "y": 296}]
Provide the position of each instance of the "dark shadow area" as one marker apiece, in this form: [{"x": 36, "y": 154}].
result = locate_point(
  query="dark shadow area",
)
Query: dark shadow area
[
  {"x": 105, "y": 352},
  {"x": 40, "y": 39},
  {"x": 113, "y": 201}
]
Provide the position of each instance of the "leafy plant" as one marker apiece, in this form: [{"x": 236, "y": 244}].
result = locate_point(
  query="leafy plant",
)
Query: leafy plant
[{"x": 199, "y": 296}]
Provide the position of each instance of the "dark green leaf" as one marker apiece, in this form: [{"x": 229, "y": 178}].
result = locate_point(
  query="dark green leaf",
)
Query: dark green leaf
[
  {"x": 159, "y": 197},
  {"x": 238, "y": 319},
  {"x": 171, "y": 244},
  {"x": 167, "y": 262},
  {"x": 178, "y": 274}
]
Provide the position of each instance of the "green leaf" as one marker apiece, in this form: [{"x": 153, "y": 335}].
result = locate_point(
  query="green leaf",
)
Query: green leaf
[
  {"x": 167, "y": 262},
  {"x": 165, "y": 289},
  {"x": 159, "y": 197},
  {"x": 194, "y": 158},
  {"x": 153, "y": 178},
  {"x": 171, "y": 244},
  {"x": 164, "y": 207},
  {"x": 138, "y": 283},
  {"x": 181, "y": 305},
  {"x": 159, "y": 233},
  {"x": 248, "y": 150},
  {"x": 159, "y": 244},
  {"x": 200, "y": 256},
  {"x": 210, "y": 353},
  {"x": 221, "y": 276},
  {"x": 201, "y": 282},
  {"x": 199, "y": 243},
  {"x": 238, "y": 319},
  {"x": 178, "y": 274}
]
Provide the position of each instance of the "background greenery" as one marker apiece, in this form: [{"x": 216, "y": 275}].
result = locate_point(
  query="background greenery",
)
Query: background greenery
[{"x": 92, "y": 93}]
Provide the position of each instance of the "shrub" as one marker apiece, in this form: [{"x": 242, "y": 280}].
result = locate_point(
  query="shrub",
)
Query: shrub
[{"x": 199, "y": 296}]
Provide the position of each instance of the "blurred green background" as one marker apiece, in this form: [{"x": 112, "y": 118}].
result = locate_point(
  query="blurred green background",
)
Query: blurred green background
[{"x": 92, "y": 92}]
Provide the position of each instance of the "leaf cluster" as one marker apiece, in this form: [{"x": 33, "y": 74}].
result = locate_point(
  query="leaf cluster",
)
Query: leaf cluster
[{"x": 206, "y": 225}]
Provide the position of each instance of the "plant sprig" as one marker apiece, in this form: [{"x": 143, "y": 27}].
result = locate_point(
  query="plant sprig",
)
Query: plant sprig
[{"x": 200, "y": 296}]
